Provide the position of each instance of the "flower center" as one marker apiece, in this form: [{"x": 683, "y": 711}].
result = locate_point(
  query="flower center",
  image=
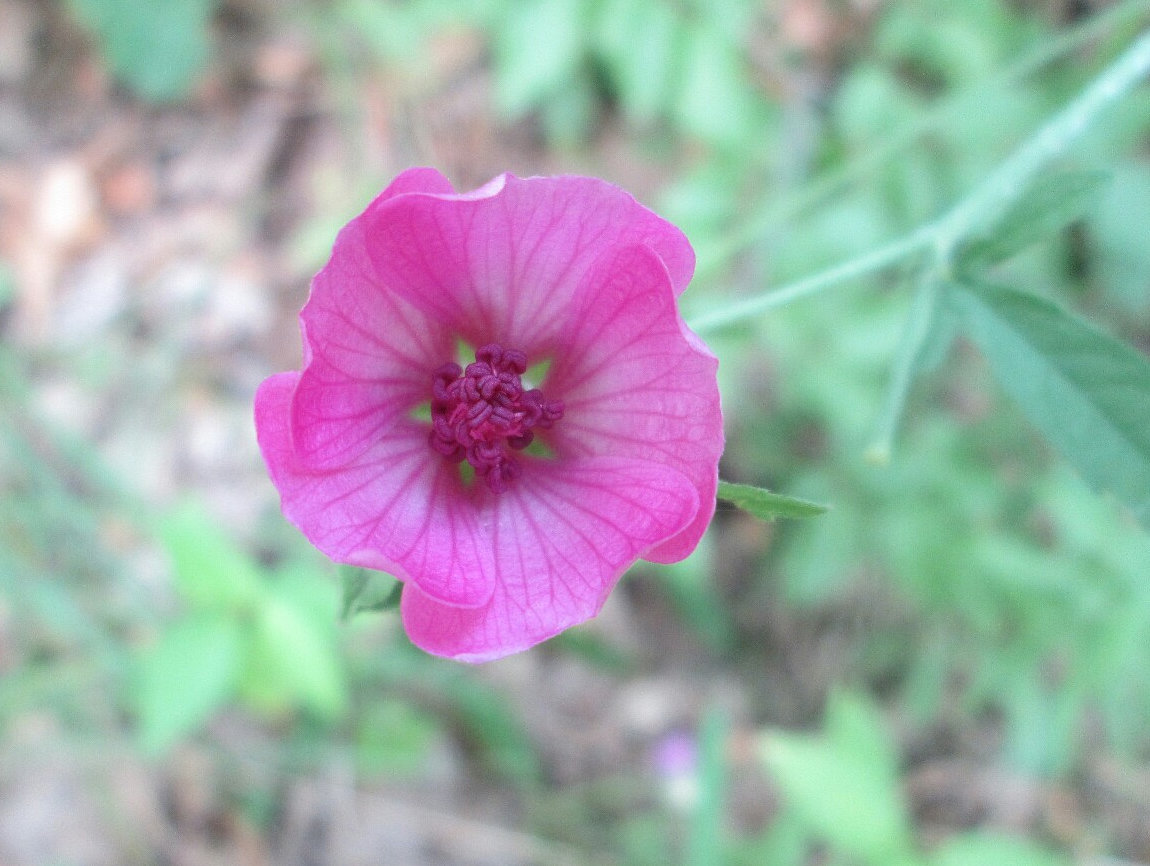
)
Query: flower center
[{"x": 483, "y": 413}]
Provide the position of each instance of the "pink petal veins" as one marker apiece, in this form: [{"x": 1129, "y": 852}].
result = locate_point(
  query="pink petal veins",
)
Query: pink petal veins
[
  {"x": 568, "y": 270},
  {"x": 637, "y": 382},
  {"x": 562, "y": 539}
]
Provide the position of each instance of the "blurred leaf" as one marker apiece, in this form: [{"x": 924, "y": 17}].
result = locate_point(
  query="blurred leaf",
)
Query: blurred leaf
[
  {"x": 715, "y": 101},
  {"x": 537, "y": 52},
  {"x": 784, "y": 842},
  {"x": 1087, "y": 392},
  {"x": 389, "y": 30},
  {"x": 210, "y": 570},
  {"x": 845, "y": 786},
  {"x": 393, "y": 738},
  {"x": 156, "y": 47},
  {"x": 644, "y": 70},
  {"x": 1119, "y": 225},
  {"x": 870, "y": 102},
  {"x": 185, "y": 678},
  {"x": 854, "y": 726},
  {"x": 1051, "y": 203},
  {"x": 986, "y": 849},
  {"x": 292, "y": 657},
  {"x": 765, "y": 505},
  {"x": 367, "y": 590},
  {"x": 569, "y": 114}
]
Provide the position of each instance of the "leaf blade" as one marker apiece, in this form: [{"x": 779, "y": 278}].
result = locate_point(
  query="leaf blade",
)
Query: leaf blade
[
  {"x": 1087, "y": 392},
  {"x": 1050, "y": 204}
]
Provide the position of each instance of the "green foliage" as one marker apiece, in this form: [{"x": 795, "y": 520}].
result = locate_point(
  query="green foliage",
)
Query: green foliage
[
  {"x": 537, "y": 52},
  {"x": 268, "y": 639},
  {"x": 186, "y": 677},
  {"x": 987, "y": 849},
  {"x": 1087, "y": 392},
  {"x": 367, "y": 590},
  {"x": 1119, "y": 224},
  {"x": 765, "y": 505},
  {"x": 1050, "y": 204},
  {"x": 845, "y": 785},
  {"x": 156, "y": 47},
  {"x": 705, "y": 842}
]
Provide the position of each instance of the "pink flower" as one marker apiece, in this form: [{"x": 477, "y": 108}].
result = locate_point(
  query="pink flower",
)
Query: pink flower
[{"x": 513, "y": 509}]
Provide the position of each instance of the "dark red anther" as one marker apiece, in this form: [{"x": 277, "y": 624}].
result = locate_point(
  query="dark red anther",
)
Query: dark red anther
[{"x": 481, "y": 413}]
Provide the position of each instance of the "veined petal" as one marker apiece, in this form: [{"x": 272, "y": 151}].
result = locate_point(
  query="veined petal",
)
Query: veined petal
[
  {"x": 396, "y": 507},
  {"x": 509, "y": 258},
  {"x": 370, "y": 355},
  {"x": 561, "y": 537},
  {"x": 367, "y": 353},
  {"x": 637, "y": 382}
]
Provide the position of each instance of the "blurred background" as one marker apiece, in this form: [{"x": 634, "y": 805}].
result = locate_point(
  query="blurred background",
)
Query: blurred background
[{"x": 950, "y": 668}]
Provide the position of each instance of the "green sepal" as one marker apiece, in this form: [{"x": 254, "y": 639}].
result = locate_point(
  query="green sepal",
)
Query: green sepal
[
  {"x": 765, "y": 505},
  {"x": 367, "y": 590}
]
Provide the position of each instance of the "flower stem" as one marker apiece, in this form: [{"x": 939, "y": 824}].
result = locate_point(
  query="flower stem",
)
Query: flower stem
[{"x": 980, "y": 206}]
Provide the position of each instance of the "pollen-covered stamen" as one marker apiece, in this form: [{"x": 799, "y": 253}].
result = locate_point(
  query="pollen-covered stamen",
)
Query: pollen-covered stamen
[{"x": 482, "y": 413}]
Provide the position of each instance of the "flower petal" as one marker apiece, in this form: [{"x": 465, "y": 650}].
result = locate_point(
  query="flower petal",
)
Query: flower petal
[
  {"x": 369, "y": 359},
  {"x": 509, "y": 258},
  {"x": 368, "y": 355},
  {"x": 397, "y": 507},
  {"x": 562, "y": 536},
  {"x": 637, "y": 382}
]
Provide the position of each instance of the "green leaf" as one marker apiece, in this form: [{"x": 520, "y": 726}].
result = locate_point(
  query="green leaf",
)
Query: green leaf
[
  {"x": 644, "y": 70},
  {"x": 715, "y": 101},
  {"x": 855, "y": 727},
  {"x": 156, "y": 47},
  {"x": 537, "y": 51},
  {"x": 842, "y": 794},
  {"x": 1087, "y": 392},
  {"x": 291, "y": 657},
  {"x": 1051, "y": 203},
  {"x": 367, "y": 590},
  {"x": 987, "y": 849},
  {"x": 185, "y": 678},
  {"x": 210, "y": 570},
  {"x": 1119, "y": 225},
  {"x": 765, "y": 505}
]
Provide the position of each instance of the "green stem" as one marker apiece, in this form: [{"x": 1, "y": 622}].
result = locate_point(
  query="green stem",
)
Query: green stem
[
  {"x": 979, "y": 207},
  {"x": 939, "y": 114},
  {"x": 912, "y": 344},
  {"x": 1005, "y": 184},
  {"x": 868, "y": 263}
]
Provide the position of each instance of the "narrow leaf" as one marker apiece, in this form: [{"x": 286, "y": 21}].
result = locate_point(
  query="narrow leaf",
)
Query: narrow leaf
[
  {"x": 1053, "y": 202},
  {"x": 765, "y": 505},
  {"x": 1087, "y": 392}
]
